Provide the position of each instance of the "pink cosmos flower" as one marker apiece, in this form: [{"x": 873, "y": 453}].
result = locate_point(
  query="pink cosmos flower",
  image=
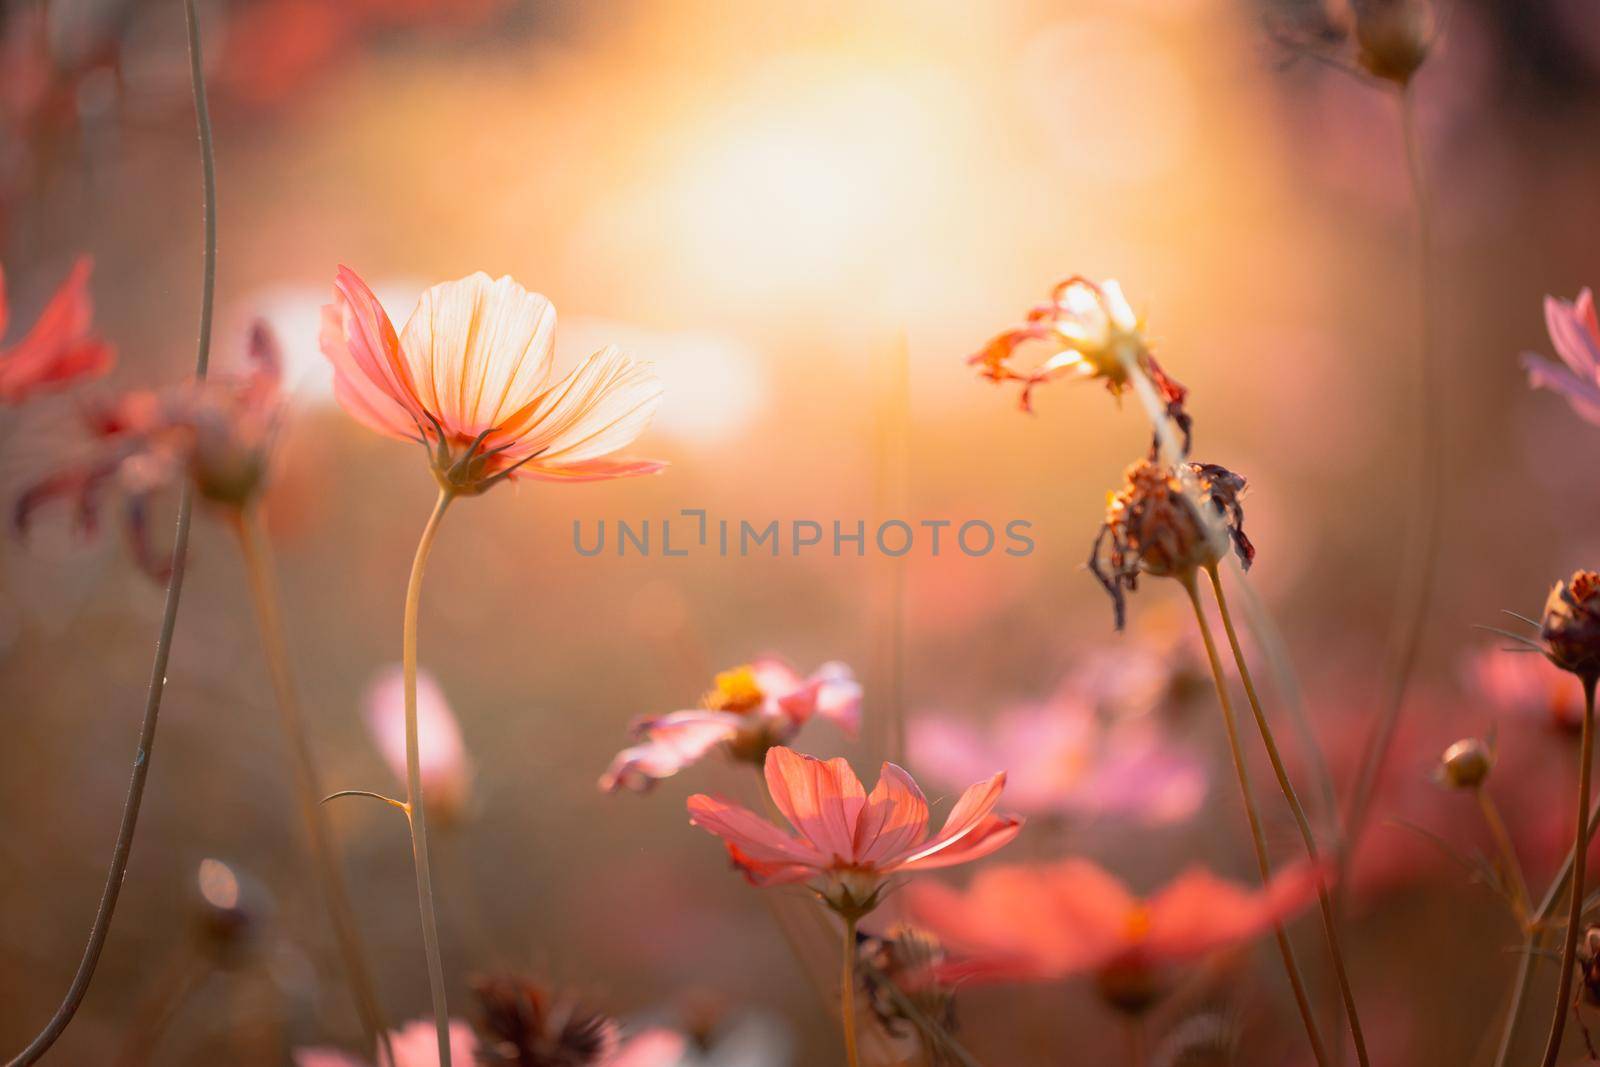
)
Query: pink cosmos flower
[
  {"x": 218, "y": 433},
  {"x": 848, "y": 842},
  {"x": 446, "y": 768},
  {"x": 415, "y": 1045},
  {"x": 1060, "y": 757},
  {"x": 1526, "y": 684},
  {"x": 1041, "y": 923},
  {"x": 471, "y": 378},
  {"x": 61, "y": 348},
  {"x": 748, "y": 710},
  {"x": 1576, "y": 336}
]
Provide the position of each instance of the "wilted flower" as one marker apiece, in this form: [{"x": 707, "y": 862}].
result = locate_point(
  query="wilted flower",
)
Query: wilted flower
[
  {"x": 218, "y": 433},
  {"x": 1093, "y": 333},
  {"x": 446, "y": 768},
  {"x": 1589, "y": 965},
  {"x": 747, "y": 711},
  {"x": 903, "y": 967},
  {"x": 1154, "y": 526},
  {"x": 527, "y": 1025},
  {"x": 1041, "y": 923},
  {"x": 415, "y": 1045},
  {"x": 1465, "y": 764},
  {"x": 1524, "y": 684},
  {"x": 470, "y": 379},
  {"x": 1392, "y": 37},
  {"x": 849, "y": 843},
  {"x": 1575, "y": 333},
  {"x": 1571, "y": 625},
  {"x": 1060, "y": 757},
  {"x": 61, "y": 348}
]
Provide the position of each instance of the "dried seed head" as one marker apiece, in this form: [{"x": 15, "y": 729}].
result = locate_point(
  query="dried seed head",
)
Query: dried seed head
[
  {"x": 526, "y": 1025},
  {"x": 1589, "y": 964},
  {"x": 1156, "y": 524},
  {"x": 1571, "y": 626},
  {"x": 907, "y": 958},
  {"x": 1392, "y": 37},
  {"x": 1465, "y": 764}
]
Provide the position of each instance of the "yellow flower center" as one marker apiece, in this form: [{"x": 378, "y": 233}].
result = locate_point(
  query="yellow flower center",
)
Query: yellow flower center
[{"x": 735, "y": 690}]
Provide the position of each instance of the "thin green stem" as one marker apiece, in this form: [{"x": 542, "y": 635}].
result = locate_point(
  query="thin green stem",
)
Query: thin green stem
[
  {"x": 415, "y": 804},
  {"x": 847, "y": 992},
  {"x": 1329, "y": 919},
  {"x": 261, "y": 575},
  {"x": 100, "y": 928},
  {"x": 1257, "y": 836},
  {"x": 1569, "y": 947}
]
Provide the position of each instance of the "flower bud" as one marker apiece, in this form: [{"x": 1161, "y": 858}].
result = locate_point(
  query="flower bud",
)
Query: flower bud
[
  {"x": 1393, "y": 37},
  {"x": 1571, "y": 625},
  {"x": 1465, "y": 764}
]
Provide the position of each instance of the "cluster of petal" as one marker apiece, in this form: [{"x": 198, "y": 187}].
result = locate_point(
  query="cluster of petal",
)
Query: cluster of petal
[
  {"x": 471, "y": 377},
  {"x": 62, "y": 346},
  {"x": 1040, "y": 923},
  {"x": 1525, "y": 685},
  {"x": 1575, "y": 333},
  {"x": 446, "y": 767},
  {"x": 1091, "y": 332},
  {"x": 218, "y": 433},
  {"x": 846, "y": 840},
  {"x": 1061, "y": 758},
  {"x": 748, "y": 710},
  {"x": 415, "y": 1044}
]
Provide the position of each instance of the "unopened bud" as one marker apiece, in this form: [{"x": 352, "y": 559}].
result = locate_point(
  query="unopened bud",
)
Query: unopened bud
[{"x": 1465, "y": 764}]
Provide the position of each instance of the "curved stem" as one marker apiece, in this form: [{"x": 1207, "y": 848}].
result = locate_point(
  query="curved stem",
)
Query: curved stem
[
  {"x": 100, "y": 928},
  {"x": 1257, "y": 837},
  {"x": 1420, "y": 564},
  {"x": 1325, "y": 900},
  {"x": 847, "y": 993},
  {"x": 416, "y": 811},
  {"x": 1569, "y": 947},
  {"x": 1508, "y": 853},
  {"x": 308, "y": 779}
]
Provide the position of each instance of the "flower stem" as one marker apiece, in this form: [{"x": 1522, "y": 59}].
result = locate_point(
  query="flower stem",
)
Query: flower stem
[
  {"x": 1508, "y": 854},
  {"x": 847, "y": 992},
  {"x": 100, "y": 928},
  {"x": 1569, "y": 948},
  {"x": 308, "y": 778},
  {"x": 416, "y": 809},
  {"x": 1257, "y": 837},
  {"x": 1329, "y": 920}
]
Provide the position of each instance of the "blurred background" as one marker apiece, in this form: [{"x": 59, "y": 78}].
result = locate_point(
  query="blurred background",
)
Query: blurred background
[{"x": 808, "y": 216}]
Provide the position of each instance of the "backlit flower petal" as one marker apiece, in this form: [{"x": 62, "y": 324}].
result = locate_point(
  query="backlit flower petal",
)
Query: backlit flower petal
[
  {"x": 602, "y": 406},
  {"x": 894, "y": 820},
  {"x": 671, "y": 743},
  {"x": 371, "y": 381},
  {"x": 749, "y": 832},
  {"x": 1201, "y": 913},
  {"x": 966, "y": 817},
  {"x": 822, "y": 800}
]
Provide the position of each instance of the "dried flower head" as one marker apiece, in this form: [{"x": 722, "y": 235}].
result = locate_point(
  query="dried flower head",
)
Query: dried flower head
[
  {"x": 1392, "y": 37},
  {"x": 1465, "y": 764},
  {"x": 1158, "y": 525},
  {"x": 1589, "y": 964},
  {"x": 901, "y": 968},
  {"x": 1093, "y": 333},
  {"x": 1571, "y": 625},
  {"x": 525, "y": 1024}
]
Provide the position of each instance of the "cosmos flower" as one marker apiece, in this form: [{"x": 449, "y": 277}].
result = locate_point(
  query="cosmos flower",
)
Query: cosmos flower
[
  {"x": 62, "y": 346},
  {"x": 526, "y": 1024},
  {"x": 1576, "y": 336},
  {"x": 415, "y": 1045},
  {"x": 1524, "y": 684},
  {"x": 1570, "y": 628},
  {"x": 471, "y": 379},
  {"x": 1060, "y": 757},
  {"x": 1092, "y": 332},
  {"x": 218, "y": 433},
  {"x": 1042, "y": 923},
  {"x": 848, "y": 842},
  {"x": 446, "y": 768},
  {"x": 1154, "y": 525},
  {"x": 748, "y": 710}
]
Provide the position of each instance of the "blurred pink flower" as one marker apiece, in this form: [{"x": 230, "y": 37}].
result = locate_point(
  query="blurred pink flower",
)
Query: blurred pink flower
[
  {"x": 470, "y": 379},
  {"x": 748, "y": 710},
  {"x": 62, "y": 346},
  {"x": 1526, "y": 684},
  {"x": 653, "y": 1048},
  {"x": 1040, "y": 923},
  {"x": 415, "y": 1045},
  {"x": 850, "y": 842},
  {"x": 1576, "y": 336},
  {"x": 217, "y": 432},
  {"x": 446, "y": 768},
  {"x": 1062, "y": 758}
]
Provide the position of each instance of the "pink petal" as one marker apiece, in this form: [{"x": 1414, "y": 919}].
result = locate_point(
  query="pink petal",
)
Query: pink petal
[
  {"x": 60, "y": 348},
  {"x": 600, "y": 408},
  {"x": 594, "y": 470},
  {"x": 749, "y": 832},
  {"x": 446, "y": 768},
  {"x": 371, "y": 380},
  {"x": 1201, "y": 913},
  {"x": 1584, "y": 396},
  {"x": 990, "y": 835},
  {"x": 671, "y": 743},
  {"x": 821, "y": 800},
  {"x": 653, "y": 1048},
  {"x": 895, "y": 819},
  {"x": 968, "y": 814},
  {"x": 1574, "y": 341}
]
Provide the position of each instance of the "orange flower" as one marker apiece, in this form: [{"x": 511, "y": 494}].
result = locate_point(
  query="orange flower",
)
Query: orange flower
[
  {"x": 849, "y": 842},
  {"x": 62, "y": 346},
  {"x": 470, "y": 377}
]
